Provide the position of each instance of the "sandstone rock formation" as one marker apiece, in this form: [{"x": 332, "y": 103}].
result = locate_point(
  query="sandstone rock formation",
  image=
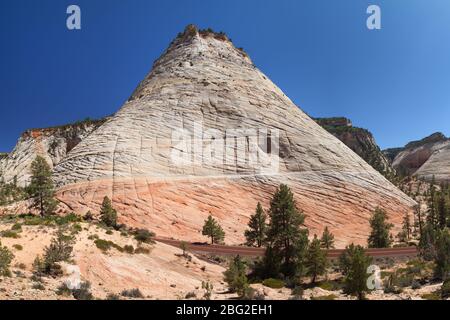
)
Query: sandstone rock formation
[
  {"x": 361, "y": 141},
  {"x": 170, "y": 157},
  {"x": 50, "y": 143},
  {"x": 425, "y": 158}
]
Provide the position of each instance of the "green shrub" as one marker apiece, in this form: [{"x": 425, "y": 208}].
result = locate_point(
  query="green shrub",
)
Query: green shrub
[
  {"x": 93, "y": 237},
  {"x": 38, "y": 286},
  {"x": 143, "y": 235},
  {"x": 252, "y": 294},
  {"x": 328, "y": 297},
  {"x": 88, "y": 216},
  {"x": 18, "y": 247},
  {"x": 190, "y": 295},
  {"x": 105, "y": 245},
  {"x": 9, "y": 234},
  {"x": 141, "y": 250},
  {"x": 416, "y": 285},
  {"x": 33, "y": 221},
  {"x": 112, "y": 296},
  {"x": 83, "y": 292},
  {"x": 273, "y": 283},
  {"x": 17, "y": 227},
  {"x": 21, "y": 266},
  {"x": 431, "y": 296},
  {"x": 133, "y": 293},
  {"x": 128, "y": 249},
  {"x": 76, "y": 228},
  {"x": 6, "y": 257},
  {"x": 69, "y": 218},
  {"x": 297, "y": 293},
  {"x": 63, "y": 290},
  {"x": 445, "y": 290}
]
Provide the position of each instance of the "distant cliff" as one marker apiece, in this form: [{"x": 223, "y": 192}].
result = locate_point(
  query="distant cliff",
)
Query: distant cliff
[
  {"x": 423, "y": 158},
  {"x": 51, "y": 143},
  {"x": 361, "y": 141}
]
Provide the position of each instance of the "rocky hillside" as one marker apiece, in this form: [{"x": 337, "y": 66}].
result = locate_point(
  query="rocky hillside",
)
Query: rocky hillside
[
  {"x": 360, "y": 141},
  {"x": 207, "y": 133},
  {"x": 113, "y": 262},
  {"x": 51, "y": 143},
  {"x": 424, "y": 158}
]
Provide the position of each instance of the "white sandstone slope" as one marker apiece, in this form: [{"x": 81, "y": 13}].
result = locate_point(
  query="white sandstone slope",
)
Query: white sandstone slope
[
  {"x": 427, "y": 158},
  {"x": 50, "y": 143},
  {"x": 202, "y": 78}
]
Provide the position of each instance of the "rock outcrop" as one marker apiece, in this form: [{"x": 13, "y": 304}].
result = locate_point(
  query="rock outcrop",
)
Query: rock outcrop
[
  {"x": 206, "y": 133},
  {"x": 361, "y": 141},
  {"x": 51, "y": 143},
  {"x": 425, "y": 159}
]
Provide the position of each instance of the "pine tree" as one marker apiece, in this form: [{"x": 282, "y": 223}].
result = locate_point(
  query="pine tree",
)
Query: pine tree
[
  {"x": 285, "y": 237},
  {"x": 41, "y": 188},
  {"x": 418, "y": 211},
  {"x": 269, "y": 266},
  {"x": 212, "y": 229},
  {"x": 442, "y": 257},
  {"x": 327, "y": 240},
  {"x": 380, "y": 236},
  {"x": 108, "y": 215},
  {"x": 427, "y": 242},
  {"x": 432, "y": 218},
  {"x": 353, "y": 264},
  {"x": 441, "y": 209},
  {"x": 6, "y": 257},
  {"x": 316, "y": 260},
  {"x": 257, "y": 224},
  {"x": 406, "y": 228},
  {"x": 236, "y": 277}
]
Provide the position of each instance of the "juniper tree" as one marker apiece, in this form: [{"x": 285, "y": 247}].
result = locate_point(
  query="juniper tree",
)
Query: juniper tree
[
  {"x": 41, "y": 189},
  {"x": 327, "y": 240},
  {"x": 316, "y": 260},
  {"x": 353, "y": 264},
  {"x": 108, "y": 215},
  {"x": 59, "y": 250},
  {"x": 285, "y": 236},
  {"x": 256, "y": 235},
  {"x": 380, "y": 233},
  {"x": 213, "y": 230}
]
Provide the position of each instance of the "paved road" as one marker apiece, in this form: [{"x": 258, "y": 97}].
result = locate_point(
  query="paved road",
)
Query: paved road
[{"x": 258, "y": 252}]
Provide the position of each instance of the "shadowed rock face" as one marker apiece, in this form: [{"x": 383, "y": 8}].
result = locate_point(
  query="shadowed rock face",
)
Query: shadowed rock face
[
  {"x": 203, "y": 79},
  {"x": 425, "y": 158},
  {"x": 361, "y": 141}
]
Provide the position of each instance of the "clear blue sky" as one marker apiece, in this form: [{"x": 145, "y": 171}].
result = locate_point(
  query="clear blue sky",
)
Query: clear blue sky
[{"x": 395, "y": 82}]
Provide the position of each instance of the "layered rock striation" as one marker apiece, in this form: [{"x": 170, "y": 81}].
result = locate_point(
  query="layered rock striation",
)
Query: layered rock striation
[
  {"x": 361, "y": 141},
  {"x": 51, "y": 143},
  {"x": 206, "y": 133},
  {"x": 425, "y": 159}
]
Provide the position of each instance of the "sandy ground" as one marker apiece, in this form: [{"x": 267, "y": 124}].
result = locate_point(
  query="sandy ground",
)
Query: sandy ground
[{"x": 163, "y": 273}]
